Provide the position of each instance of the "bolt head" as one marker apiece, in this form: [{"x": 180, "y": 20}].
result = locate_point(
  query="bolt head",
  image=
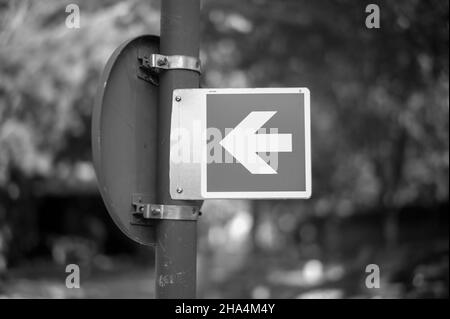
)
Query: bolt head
[
  {"x": 179, "y": 190},
  {"x": 178, "y": 98},
  {"x": 162, "y": 61}
]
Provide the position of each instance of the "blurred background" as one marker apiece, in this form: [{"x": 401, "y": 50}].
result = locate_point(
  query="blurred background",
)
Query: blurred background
[{"x": 380, "y": 141}]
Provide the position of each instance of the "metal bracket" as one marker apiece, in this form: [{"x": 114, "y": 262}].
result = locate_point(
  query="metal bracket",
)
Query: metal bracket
[
  {"x": 143, "y": 211},
  {"x": 150, "y": 75},
  {"x": 170, "y": 62}
]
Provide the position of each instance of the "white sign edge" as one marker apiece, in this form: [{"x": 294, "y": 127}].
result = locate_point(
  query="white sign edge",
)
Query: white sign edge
[{"x": 265, "y": 194}]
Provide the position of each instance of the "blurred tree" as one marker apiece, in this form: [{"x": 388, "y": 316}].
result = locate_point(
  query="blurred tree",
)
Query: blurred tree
[
  {"x": 48, "y": 78},
  {"x": 379, "y": 96}
]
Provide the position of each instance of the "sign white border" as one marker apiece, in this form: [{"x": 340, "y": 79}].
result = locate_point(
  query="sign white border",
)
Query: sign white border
[{"x": 262, "y": 194}]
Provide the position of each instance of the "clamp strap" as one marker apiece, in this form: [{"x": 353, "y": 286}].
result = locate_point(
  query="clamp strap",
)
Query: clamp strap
[
  {"x": 171, "y": 62},
  {"x": 158, "y": 211}
]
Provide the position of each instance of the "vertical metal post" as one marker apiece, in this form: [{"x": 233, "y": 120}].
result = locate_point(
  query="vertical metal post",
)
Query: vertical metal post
[{"x": 176, "y": 246}]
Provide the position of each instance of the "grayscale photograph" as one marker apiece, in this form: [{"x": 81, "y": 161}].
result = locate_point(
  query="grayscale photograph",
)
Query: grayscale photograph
[{"x": 233, "y": 156}]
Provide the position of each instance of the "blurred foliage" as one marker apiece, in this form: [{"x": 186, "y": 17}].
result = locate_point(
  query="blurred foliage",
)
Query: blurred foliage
[
  {"x": 380, "y": 97},
  {"x": 49, "y": 76}
]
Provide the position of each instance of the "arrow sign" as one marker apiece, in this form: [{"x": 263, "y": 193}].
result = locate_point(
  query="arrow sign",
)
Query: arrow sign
[
  {"x": 243, "y": 142},
  {"x": 231, "y": 145}
]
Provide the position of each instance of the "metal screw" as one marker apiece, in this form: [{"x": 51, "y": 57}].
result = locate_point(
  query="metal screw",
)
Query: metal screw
[
  {"x": 179, "y": 190},
  {"x": 162, "y": 62},
  {"x": 178, "y": 98},
  {"x": 156, "y": 211}
]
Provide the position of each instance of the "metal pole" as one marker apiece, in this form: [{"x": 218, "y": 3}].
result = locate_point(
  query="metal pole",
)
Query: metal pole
[{"x": 176, "y": 240}]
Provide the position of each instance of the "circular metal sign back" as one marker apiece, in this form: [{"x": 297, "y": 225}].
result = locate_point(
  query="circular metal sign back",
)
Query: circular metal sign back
[{"x": 124, "y": 135}]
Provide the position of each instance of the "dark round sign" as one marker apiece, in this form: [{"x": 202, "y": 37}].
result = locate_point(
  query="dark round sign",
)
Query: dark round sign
[{"x": 124, "y": 135}]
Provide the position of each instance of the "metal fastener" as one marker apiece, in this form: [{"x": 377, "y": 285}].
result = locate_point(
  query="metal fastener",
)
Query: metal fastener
[
  {"x": 179, "y": 190},
  {"x": 178, "y": 98},
  {"x": 162, "y": 61}
]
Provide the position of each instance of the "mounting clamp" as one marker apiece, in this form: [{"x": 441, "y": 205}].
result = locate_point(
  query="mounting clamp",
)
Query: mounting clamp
[
  {"x": 170, "y": 62},
  {"x": 145, "y": 211}
]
